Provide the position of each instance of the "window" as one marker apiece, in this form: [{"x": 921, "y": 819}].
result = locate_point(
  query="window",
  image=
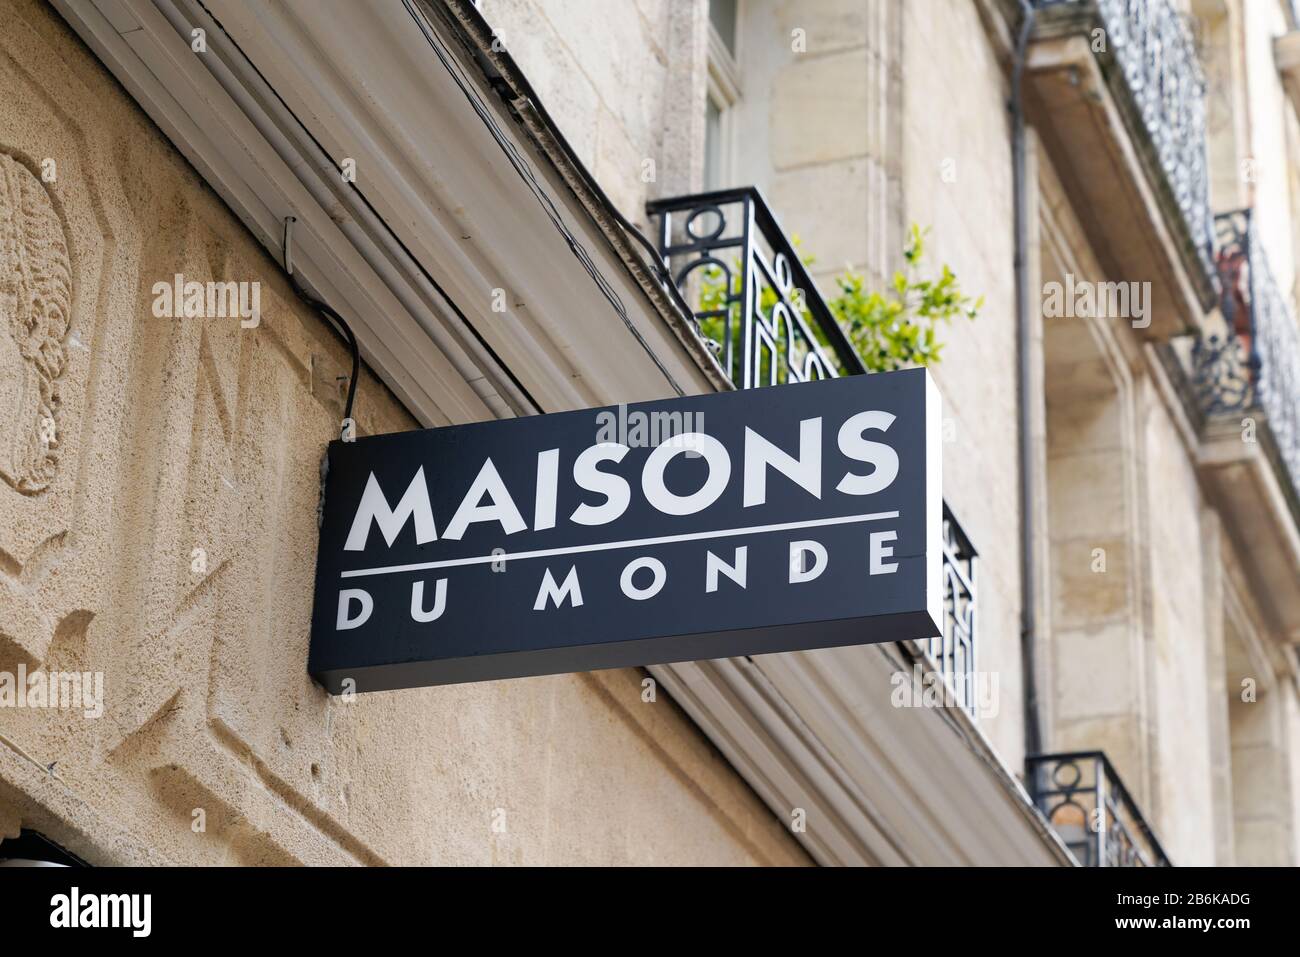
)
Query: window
[
  {"x": 722, "y": 15},
  {"x": 724, "y": 92}
]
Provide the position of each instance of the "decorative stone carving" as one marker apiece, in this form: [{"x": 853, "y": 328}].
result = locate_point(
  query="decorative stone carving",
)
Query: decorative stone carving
[{"x": 35, "y": 310}]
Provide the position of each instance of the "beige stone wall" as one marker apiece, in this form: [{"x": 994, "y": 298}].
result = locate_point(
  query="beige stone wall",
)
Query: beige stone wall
[
  {"x": 1290, "y": 707},
  {"x": 177, "y": 435},
  {"x": 1091, "y": 647},
  {"x": 1130, "y": 571},
  {"x": 1251, "y": 712},
  {"x": 1182, "y": 801},
  {"x": 957, "y": 183},
  {"x": 1268, "y": 115},
  {"x": 818, "y": 128},
  {"x": 624, "y": 82}
]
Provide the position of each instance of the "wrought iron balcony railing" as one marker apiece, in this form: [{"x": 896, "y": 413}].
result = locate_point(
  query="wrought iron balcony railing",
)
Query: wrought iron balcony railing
[
  {"x": 757, "y": 308},
  {"x": 1151, "y": 45},
  {"x": 1252, "y": 367},
  {"x": 754, "y": 301},
  {"x": 953, "y": 652},
  {"x": 1085, "y": 801}
]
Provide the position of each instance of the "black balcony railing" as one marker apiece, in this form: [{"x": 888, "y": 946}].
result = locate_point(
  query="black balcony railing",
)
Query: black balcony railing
[
  {"x": 756, "y": 306},
  {"x": 754, "y": 301},
  {"x": 1084, "y": 800},
  {"x": 1150, "y": 43},
  {"x": 953, "y": 652},
  {"x": 1252, "y": 366}
]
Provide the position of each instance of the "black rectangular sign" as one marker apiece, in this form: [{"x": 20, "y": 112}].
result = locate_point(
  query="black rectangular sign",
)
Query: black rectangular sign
[{"x": 730, "y": 524}]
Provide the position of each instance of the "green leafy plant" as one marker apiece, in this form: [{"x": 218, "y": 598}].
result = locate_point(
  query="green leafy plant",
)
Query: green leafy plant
[
  {"x": 890, "y": 329},
  {"x": 898, "y": 328}
]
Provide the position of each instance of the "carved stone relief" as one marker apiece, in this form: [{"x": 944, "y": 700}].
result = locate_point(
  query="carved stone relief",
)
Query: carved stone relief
[{"x": 35, "y": 309}]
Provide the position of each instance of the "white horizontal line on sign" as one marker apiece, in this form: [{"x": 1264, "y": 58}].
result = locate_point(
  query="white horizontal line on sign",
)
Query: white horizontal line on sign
[{"x": 610, "y": 546}]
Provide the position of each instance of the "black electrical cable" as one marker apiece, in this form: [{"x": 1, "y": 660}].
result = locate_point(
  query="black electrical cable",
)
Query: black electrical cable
[
  {"x": 517, "y": 397},
  {"x": 333, "y": 315},
  {"x": 352, "y": 344}
]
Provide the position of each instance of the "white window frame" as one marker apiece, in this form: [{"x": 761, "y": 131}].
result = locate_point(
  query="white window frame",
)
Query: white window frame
[{"x": 724, "y": 94}]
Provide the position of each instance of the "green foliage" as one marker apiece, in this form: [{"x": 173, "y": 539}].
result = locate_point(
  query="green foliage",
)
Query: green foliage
[
  {"x": 890, "y": 329},
  {"x": 898, "y": 328},
  {"x": 713, "y": 295}
]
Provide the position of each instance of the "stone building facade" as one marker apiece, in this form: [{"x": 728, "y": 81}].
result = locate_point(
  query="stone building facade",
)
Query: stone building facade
[{"x": 161, "y": 475}]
